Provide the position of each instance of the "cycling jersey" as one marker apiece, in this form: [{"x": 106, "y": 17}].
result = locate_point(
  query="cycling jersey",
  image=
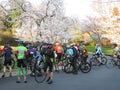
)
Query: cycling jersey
[
  {"x": 7, "y": 53},
  {"x": 58, "y": 49},
  {"x": 98, "y": 51},
  {"x": 21, "y": 52}
]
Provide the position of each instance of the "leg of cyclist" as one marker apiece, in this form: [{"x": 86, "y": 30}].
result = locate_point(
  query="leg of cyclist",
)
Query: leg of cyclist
[
  {"x": 49, "y": 73},
  {"x": 10, "y": 68},
  {"x": 4, "y": 68},
  {"x": 84, "y": 58},
  {"x": 4, "y": 71},
  {"x": 99, "y": 59},
  {"x": 21, "y": 66},
  {"x": 75, "y": 71},
  {"x": 59, "y": 55}
]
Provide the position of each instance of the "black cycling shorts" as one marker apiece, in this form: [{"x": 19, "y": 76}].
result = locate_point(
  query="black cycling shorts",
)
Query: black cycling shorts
[
  {"x": 21, "y": 63},
  {"x": 59, "y": 55},
  {"x": 48, "y": 64},
  {"x": 8, "y": 62}
]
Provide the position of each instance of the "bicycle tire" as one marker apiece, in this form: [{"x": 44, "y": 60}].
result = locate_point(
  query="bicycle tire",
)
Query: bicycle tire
[
  {"x": 85, "y": 67},
  {"x": 110, "y": 64},
  {"x": 94, "y": 62},
  {"x": 40, "y": 75},
  {"x": 68, "y": 68}
]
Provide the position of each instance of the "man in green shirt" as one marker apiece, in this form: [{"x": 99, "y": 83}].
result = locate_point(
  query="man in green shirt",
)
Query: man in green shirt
[{"x": 21, "y": 55}]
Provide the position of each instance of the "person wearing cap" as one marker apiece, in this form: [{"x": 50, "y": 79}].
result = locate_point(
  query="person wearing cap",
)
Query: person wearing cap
[{"x": 20, "y": 53}]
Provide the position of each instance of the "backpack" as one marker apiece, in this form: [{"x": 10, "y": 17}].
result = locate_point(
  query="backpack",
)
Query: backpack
[
  {"x": 70, "y": 52},
  {"x": 49, "y": 52},
  {"x": 31, "y": 51},
  {"x": 75, "y": 52},
  {"x": 8, "y": 53}
]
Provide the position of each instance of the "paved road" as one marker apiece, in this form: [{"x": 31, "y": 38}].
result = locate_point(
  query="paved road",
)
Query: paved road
[{"x": 98, "y": 79}]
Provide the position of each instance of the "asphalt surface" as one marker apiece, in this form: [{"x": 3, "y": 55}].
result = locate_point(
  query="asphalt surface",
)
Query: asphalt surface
[{"x": 99, "y": 78}]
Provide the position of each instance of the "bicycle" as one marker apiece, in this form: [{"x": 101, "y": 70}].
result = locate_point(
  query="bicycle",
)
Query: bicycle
[
  {"x": 95, "y": 62},
  {"x": 59, "y": 66},
  {"x": 29, "y": 62},
  {"x": 85, "y": 67},
  {"x": 112, "y": 62},
  {"x": 40, "y": 74},
  {"x": 82, "y": 66}
]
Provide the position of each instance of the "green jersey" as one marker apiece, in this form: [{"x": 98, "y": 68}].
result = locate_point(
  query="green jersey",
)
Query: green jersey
[{"x": 21, "y": 52}]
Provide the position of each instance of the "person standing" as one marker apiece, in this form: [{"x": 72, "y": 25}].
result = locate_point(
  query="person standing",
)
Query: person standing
[
  {"x": 49, "y": 63},
  {"x": 58, "y": 49},
  {"x": 20, "y": 53},
  {"x": 7, "y": 53},
  {"x": 85, "y": 53}
]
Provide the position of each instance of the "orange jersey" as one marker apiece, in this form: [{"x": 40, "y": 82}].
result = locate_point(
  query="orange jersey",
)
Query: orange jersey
[{"x": 58, "y": 49}]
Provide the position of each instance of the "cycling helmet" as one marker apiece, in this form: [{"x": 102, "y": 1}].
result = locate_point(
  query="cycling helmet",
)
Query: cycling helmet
[{"x": 20, "y": 42}]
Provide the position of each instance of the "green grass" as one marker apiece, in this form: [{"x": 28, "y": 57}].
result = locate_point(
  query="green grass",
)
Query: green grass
[{"x": 105, "y": 50}]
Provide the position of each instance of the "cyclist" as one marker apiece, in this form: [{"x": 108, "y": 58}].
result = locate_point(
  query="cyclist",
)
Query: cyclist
[
  {"x": 49, "y": 63},
  {"x": 37, "y": 57},
  {"x": 73, "y": 51},
  {"x": 99, "y": 53},
  {"x": 7, "y": 52},
  {"x": 20, "y": 53},
  {"x": 115, "y": 52},
  {"x": 85, "y": 53},
  {"x": 37, "y": 54},
  {"x": 43, "y": 49},
  {"x": 30, "y": 57},
  {"x": 58, "y": 48}
]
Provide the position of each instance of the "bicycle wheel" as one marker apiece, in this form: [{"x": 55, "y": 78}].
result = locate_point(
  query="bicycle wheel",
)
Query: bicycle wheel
[
  {"x": 68, "y": 68},
  {"x": 63, "y": 64},
  {"x": 94, "y": 62},
  {"x": 110, "y": 64},
  {"x": 118, "y": 64},
  {"x": 40, "y": 75},
  {"x": 104, "y": 60},
  {"x": 85, "y": 67}
]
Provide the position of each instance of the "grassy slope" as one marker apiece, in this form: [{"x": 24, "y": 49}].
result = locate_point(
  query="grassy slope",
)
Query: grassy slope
[{"x": 104, "y": 49}]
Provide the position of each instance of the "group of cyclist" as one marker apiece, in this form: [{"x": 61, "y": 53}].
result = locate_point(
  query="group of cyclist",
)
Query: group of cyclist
[{"x": 49, "y": 53}]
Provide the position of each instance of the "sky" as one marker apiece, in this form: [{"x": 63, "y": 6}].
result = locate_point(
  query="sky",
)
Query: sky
[{"x": 78, "y": 8}]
